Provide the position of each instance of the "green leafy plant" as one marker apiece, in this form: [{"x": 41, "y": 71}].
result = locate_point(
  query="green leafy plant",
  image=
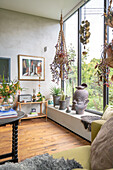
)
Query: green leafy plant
[{"x": 55, "y": 91}]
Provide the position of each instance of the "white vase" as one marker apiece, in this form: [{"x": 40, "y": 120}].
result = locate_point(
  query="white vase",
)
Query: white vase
[{"x": 10, "y": 100}]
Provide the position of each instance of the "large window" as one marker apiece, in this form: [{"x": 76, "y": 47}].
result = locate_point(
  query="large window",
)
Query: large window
[
  {"x": 93, "y": 12},
  {"x": 71, "y": 37}
]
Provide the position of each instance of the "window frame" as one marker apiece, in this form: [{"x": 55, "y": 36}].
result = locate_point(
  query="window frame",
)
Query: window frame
[{"x": 105, "y": 88}]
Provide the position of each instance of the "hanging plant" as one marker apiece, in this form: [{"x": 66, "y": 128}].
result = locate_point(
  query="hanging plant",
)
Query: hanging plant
[
  {"x": 85, "y": 34},
  {"x": 109, "y": 19},
  {"x": 109, "y": 16},
  {"x": 102, "y": 70},
  {"x": 61, "y": 64}
]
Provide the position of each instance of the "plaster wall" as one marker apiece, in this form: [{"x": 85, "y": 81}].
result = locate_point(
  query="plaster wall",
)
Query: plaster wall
[{"x": 28, "y": 35}]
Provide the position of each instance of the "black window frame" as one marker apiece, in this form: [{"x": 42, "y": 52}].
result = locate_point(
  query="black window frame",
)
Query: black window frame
[{"x": 105, "y": 88}]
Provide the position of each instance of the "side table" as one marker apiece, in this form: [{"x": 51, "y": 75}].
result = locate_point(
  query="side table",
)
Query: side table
[
  {"x": 20, "y": 104},
  {"x": 14, "y": 121}
]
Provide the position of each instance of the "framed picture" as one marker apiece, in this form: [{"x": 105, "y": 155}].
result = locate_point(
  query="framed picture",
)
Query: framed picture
[
  {"x": 31, "y": 68},
  {"x": 5, "y": 64}
]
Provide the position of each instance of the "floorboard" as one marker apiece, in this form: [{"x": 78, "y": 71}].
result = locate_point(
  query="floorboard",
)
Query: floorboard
[{"x": 36, "y": 136}]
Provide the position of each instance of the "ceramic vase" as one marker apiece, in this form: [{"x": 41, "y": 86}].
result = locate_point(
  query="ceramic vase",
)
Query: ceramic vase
[{"x": 80, "y": 99}]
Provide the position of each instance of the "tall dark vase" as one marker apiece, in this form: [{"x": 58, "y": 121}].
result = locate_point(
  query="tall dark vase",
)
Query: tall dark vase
[{"x": 80, "y": 99}]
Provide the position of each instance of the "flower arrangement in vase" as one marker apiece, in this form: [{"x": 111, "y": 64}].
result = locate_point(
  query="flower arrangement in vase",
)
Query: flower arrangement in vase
[{"x": 8, "y": 91}]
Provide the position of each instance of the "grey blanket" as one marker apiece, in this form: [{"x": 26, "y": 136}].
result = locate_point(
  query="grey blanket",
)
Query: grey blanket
[{"x": 42, "y": 162}]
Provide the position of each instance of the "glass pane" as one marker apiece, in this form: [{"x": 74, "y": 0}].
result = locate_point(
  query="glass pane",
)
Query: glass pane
[
  {"x": 93, "y": 12},
  {"x": 110, "y": 37},
  {"x": 71, "y": 35}
]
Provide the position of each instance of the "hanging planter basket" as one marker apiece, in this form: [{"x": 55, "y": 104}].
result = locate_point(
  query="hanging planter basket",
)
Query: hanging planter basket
[
  {"x": 109, "y": 52},
  {"x": 109, "y": 19},
  {"x": 102, "y": 67},
  {"x": 109, "y": 16}
]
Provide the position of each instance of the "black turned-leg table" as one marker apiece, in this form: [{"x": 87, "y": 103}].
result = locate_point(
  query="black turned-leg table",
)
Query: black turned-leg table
[{"x": 14, "y": 121}]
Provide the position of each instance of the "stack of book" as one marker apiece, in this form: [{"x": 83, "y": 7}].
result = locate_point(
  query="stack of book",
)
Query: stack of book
[{"x": 8, "y": 114}]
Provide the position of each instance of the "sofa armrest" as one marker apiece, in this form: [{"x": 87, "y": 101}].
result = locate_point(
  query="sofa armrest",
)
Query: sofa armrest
[{"x": 95, "y": 127}]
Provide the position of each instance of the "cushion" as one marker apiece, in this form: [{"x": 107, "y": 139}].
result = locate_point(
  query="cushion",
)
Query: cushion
[
  {"x": 42, "y": 162},
  {"x": 102, "y": 147},
  {"x": 108, "y": 113},
  {"x": 80, "y": 154}
]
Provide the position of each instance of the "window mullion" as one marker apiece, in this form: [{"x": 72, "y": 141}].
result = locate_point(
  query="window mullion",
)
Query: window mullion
[
  {"x": 105, "y": 88},
  {"x": 79, "y": 48}
]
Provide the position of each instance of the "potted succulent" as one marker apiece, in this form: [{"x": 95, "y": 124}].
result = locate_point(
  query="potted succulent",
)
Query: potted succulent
[
  {"x": 62, "y": 102},
  {"x": 55, "y": 92}
]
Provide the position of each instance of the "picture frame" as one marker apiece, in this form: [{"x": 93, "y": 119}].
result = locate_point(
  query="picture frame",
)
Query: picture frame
[
  {"x": 5, "y": 69},
  {"x": 31, "y": 68}
]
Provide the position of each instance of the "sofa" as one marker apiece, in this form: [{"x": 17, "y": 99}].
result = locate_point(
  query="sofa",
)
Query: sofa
[{"x": 82, "y": 154}]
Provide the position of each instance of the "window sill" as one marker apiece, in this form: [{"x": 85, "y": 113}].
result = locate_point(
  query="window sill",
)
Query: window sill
[{"x": 71, "y": 121}]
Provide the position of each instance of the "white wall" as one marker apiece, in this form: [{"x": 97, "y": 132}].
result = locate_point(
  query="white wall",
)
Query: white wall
[{"x": 28, "y": 35}]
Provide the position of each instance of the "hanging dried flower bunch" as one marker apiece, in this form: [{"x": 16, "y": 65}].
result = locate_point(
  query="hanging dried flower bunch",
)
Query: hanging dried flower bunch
[
  {"x": 85, "y": 34},
  {"x": 61, "y": 64},
  {"x": 102, "y": 68},
  {"x": 109, "y": 16}
]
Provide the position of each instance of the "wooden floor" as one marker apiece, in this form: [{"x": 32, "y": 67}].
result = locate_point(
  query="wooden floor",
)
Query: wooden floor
[{"x": 36, "y": 136}]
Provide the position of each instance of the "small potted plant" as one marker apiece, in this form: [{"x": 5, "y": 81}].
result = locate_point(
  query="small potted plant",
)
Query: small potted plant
[
  {"x": 62, "y": 102},
  {"x": 55, "y": 92}
]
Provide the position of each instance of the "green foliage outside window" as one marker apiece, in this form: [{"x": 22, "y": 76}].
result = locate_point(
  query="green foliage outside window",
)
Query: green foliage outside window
[
  {"x": 72, "y": 76},
  {"x": 88, "y": 77}
]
